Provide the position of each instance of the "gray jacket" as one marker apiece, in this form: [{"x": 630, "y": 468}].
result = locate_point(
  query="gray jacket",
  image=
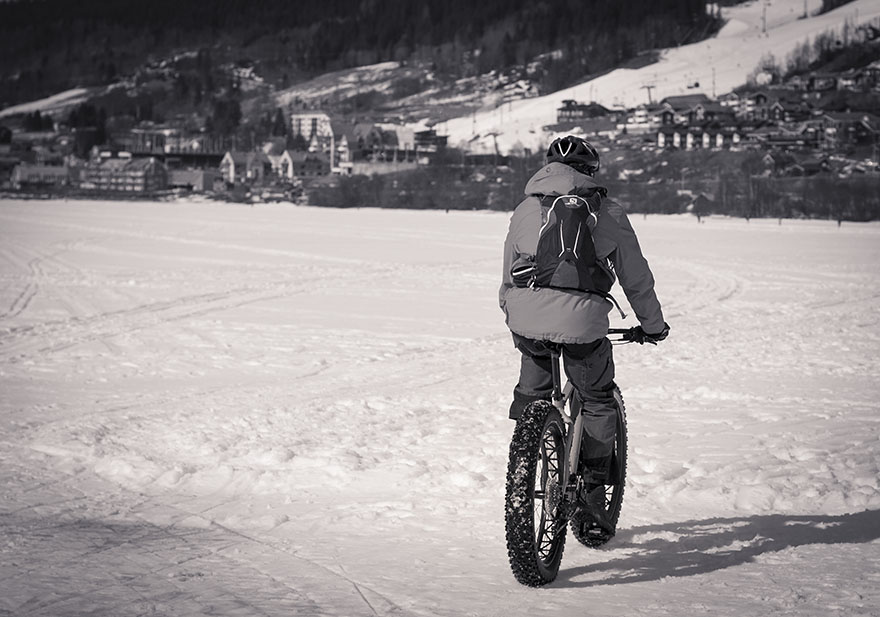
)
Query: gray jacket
[{"x": 566, "y": 316}]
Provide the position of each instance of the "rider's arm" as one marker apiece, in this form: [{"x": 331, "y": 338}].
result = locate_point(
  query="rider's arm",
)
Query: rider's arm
[{"x": 632, "y": 270}]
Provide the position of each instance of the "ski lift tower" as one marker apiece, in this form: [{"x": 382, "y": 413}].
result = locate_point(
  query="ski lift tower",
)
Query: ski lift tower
[
  {"x": 765, "y": 4},
  {"x": 649, "y": 87}
]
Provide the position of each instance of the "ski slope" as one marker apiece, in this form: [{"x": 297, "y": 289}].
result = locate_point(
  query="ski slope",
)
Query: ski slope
[
  {"x": 220, "y": 409},
  {"x": 54, "y": 103},
  {"x": 720, "y": 64}
]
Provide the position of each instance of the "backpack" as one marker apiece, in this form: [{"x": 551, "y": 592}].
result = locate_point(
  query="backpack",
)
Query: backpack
[{"x": 566, "y": 257}]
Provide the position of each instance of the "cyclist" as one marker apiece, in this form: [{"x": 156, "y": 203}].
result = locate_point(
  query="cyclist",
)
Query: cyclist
[{"x": 577, "y": 320}]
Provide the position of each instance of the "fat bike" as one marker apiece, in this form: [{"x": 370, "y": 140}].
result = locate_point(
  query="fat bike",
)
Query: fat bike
[{"x": 546, "y": 487}]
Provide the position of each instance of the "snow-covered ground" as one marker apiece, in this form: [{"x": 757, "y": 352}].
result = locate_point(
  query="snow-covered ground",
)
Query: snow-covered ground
[
  {"x": 226, "y": 410},
  {"x": 752, "y": 31}
]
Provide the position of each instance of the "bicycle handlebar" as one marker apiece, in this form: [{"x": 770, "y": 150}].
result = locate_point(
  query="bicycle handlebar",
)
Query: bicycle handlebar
[
  {"x": 629, "y": 335},
  {"x": 626, "y": 335}
]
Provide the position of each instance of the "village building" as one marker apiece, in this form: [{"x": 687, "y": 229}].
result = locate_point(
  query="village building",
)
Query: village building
[
  {"x": 730, "y": 100},
  {"x": 238, "y": 167},
  {"x": 644, "y": 119},
  {"x": 428, "y": 141},
  {"x": 572, "y": 111},
  {"x": 298, "y": 164},
  {"x": 708, "y": 135},
  {"x": 36, "y": 176},
  {"x": 199, "y": 180},
  {"x": 316, "y": 130},
  {"x": 341, "y": 159},
  {"x": 683, "y": 109},
  {"x": 819, "y": 82},
  {"x": 124, "y": 174},
  {"x": 173, "y": 146},
  {"x": 776, "y": 163},
  {"x": 311, "y": 124},
  {"x": 841, "y": 129},
  {"x": 601, "y": 128},
  {"x": 810, "y": 166}
]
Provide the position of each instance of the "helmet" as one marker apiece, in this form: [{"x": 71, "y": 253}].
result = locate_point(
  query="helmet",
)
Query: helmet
[{"x": 574, "y": 152}]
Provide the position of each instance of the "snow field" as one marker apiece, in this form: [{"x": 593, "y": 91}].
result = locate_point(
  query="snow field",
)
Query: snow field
[{"x": 287, "y": 410}]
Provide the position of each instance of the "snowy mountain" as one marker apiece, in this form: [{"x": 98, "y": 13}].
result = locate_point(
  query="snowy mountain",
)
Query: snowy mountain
[
  {"x": 713, "y": 66},
  {"x": 485, "y": 113}
]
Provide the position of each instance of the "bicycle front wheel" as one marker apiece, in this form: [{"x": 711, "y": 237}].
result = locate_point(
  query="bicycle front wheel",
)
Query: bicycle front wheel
[{"x": 534, "y": 521}]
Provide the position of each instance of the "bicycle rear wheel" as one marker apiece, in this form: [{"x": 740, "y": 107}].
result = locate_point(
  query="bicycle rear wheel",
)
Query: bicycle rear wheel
[
  {"x": 584, "y": 532},
  {"x": 534, "y": 522}
]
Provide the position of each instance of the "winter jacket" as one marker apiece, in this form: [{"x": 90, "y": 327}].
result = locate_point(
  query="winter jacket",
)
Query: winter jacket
[{"x": 567, "y": 316}]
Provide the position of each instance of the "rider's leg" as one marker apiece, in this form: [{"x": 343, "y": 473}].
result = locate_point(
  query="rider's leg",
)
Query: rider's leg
[
  {"x": 535, "y": 375},
  {"x": 590, "y": 368}
]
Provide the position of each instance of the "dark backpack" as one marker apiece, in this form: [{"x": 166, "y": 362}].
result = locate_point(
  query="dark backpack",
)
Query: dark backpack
[{"x": 566, "y": 257}]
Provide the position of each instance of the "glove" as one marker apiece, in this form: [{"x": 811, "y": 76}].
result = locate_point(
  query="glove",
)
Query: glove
[{"x": 641, "y": 337}]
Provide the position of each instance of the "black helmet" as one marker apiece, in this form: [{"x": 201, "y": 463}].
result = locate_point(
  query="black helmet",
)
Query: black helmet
[{"x": 574, "y": 152}]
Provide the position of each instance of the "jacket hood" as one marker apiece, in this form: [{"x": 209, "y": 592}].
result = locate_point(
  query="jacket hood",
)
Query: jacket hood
[{"x": 559, "y": 179}]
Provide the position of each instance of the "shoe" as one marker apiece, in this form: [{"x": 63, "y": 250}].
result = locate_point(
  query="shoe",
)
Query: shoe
[{"x": 594, "y": 507}]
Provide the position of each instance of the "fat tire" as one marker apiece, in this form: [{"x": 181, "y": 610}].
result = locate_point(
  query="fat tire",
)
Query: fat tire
[
  {"x": 617, "y": 482},
  {"x": 533, "y": 563}
]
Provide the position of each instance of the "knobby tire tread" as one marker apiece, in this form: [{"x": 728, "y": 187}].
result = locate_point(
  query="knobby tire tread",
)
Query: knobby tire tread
[{"x": 519, "y": 505}]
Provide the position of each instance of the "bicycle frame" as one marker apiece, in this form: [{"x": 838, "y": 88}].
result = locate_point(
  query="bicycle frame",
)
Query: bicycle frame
[{"x": 560, "y": 397}]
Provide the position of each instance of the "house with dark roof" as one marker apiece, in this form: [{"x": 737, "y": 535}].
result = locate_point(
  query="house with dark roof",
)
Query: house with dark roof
[
  {"x": 809, "y": 166},
  {"x": 572, "y": 111},
  {"x": 685, "y": 101},
  {"x": 778, "y": 161},
  {"x": 683, "y": 109},
  {"x": 238, "y": 167},
  {"x": 299, "y": 164},
  {"x": 849, "y": 128}
]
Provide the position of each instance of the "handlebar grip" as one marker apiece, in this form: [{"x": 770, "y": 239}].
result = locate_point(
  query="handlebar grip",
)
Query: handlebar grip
[{"x": 626, "y": 334}]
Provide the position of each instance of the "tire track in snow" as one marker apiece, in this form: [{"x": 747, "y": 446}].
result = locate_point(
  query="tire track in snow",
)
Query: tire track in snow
[
  {"x": 35, "y": 264},
  {"x": 401, "y": 371},
  {"x": 31, "y": 287},
  {"x": 710, "y": 286},
  {"x": 84, "y": 545},
  {"x": 189, "y": 565},
  {"x": 28, "y": 340},
  {"x": 834, "y": 303},
  {"x": 43, "y": 270}
]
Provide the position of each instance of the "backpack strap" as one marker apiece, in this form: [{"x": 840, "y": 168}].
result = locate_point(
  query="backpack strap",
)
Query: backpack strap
[{"x": 609, "y": 297}]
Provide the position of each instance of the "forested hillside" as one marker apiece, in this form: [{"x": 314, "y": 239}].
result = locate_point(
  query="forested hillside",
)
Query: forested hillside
[{"x": 50, "y": 45}]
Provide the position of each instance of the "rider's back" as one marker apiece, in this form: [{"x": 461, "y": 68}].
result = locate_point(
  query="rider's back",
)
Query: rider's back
[{"x": 567, "y": 315}]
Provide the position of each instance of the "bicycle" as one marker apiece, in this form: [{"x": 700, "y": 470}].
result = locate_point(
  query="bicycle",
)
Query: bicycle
[{"x": 539, "y": 505}]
